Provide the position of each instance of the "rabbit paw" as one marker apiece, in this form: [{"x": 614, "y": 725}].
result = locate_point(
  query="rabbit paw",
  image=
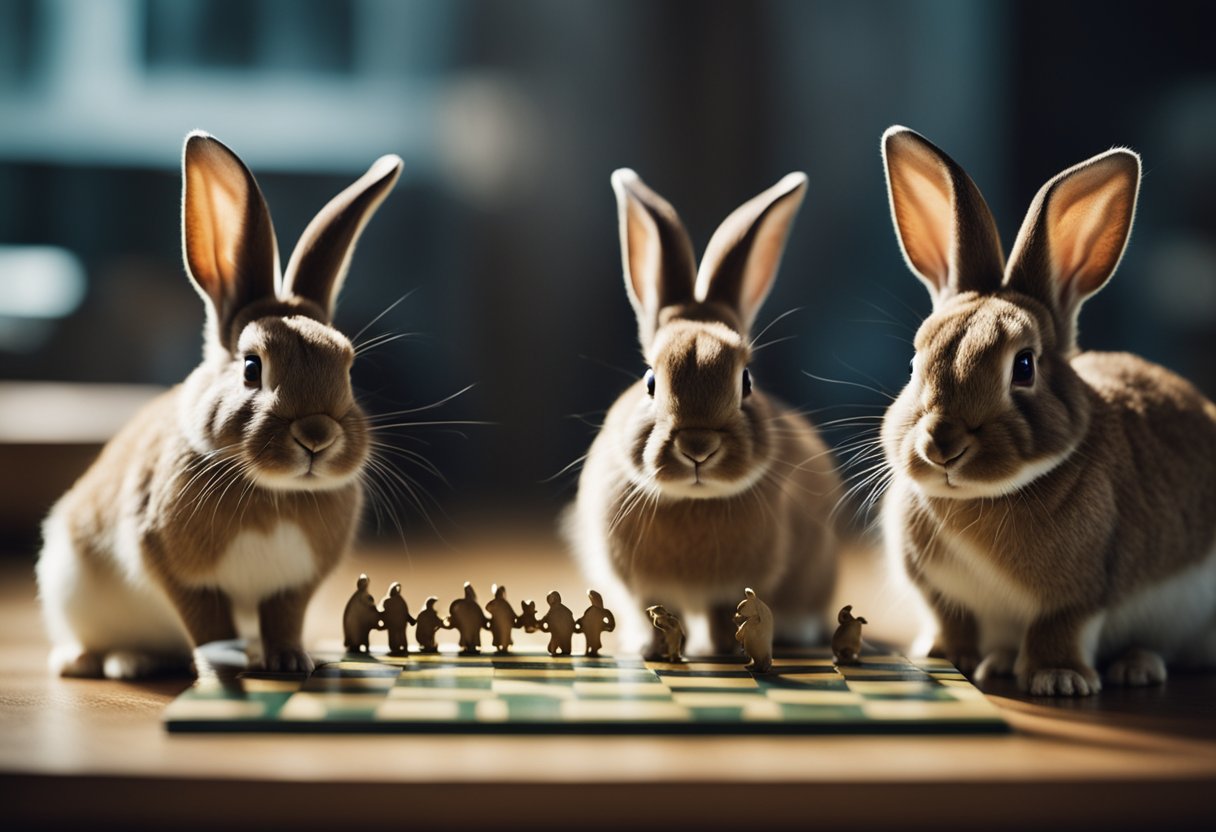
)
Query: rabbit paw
[
  {"x": 129, "y": 664},
  {"x": 1136, "y": 668},
  {"x": 964, "y": 659},
  {"x": 1060, "y": 681},
  {"x": 75, "y": 662},
  {"x": 997, "y": 663},
  {"x": 285, "y": 659}
]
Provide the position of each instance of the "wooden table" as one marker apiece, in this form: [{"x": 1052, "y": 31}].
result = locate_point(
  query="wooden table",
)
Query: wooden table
[{"x": 94, "y": 754}]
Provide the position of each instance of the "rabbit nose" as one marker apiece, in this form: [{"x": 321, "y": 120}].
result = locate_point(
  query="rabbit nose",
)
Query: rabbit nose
[
  {"x": 316, "y": 432},
  {"x": 943, "y": 441},
  {"x": 698, "y": 445}
]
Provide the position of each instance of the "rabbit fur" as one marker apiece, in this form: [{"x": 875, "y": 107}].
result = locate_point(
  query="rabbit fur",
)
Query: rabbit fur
[
  {"x": 699, "y": 485},
  {"x": 221, "y": 506},
  {"x": 1055, "y": 507}
]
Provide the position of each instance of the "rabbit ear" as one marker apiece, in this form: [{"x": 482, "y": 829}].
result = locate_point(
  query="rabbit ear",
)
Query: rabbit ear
[
  {"x": 1074, "y": 235},
  {"x": 321, "y": 257},
  {"x": 945, "y": 230},
  {"x": 227, "y": 236},
  {"x": 656, "y": 253},
  {"x": 741, "y": 259}
]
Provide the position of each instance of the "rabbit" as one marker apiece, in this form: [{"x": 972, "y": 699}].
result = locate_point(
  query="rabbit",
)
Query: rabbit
[
  {"x": 1054, "y": 507},
  {"x": 217, "y": 511},
  {"x": 698, "y": 482}
]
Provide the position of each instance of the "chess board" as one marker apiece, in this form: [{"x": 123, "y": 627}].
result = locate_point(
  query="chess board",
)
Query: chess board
[{"x": 534, "y": 693}]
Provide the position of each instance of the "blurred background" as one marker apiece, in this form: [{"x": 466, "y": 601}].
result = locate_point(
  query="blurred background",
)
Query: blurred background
[{"x": 510, "y": 118}]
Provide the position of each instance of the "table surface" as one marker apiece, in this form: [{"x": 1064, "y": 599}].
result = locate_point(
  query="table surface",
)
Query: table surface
[{"x": 85, "y": 750}]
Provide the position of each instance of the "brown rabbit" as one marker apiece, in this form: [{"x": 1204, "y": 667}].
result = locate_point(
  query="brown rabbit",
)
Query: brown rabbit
[
  {"x": 698, "y": 482},
  {"x": 219, "y": 509},
  {"x": 1055, "y": 507}
]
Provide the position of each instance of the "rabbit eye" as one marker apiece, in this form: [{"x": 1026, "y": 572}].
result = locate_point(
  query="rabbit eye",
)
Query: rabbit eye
[
  {"x": 747, "y": 383},
  {"x": 911, "y": 366},
  {"x": 1023, "y": 369},
  {"x": 649, "y": 377},
  {"x": 253, "y": 371}
]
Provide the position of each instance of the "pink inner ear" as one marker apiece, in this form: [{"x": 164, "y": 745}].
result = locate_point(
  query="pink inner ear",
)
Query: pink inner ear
[
  {"x": 923, "y": 199},
  {"x": 217, "y": 201},
  {"x": 766, "y": 250},
  {"x": 1088, "y": 218},
  {"x": 643, "y": 253},
  {"x": 227, "y": 213}
]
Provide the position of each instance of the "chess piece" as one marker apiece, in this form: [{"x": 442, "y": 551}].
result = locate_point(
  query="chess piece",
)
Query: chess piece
[
  {"x": 359, "y": 618},
  {"x": 559, "y": 624},
  {"x": 846, "y": 641},
  {"x": 396, "y": 615},
  {"x": 527, "y": 618},
  {"x": 671, "y": 632},
  {"x": 429, "y": 623},
  {"x": 754, "y": 621},
  {"x": 595, "y": 620},
  {"x": 466, "y": 617},
  {"x": 502, "y": 619}
]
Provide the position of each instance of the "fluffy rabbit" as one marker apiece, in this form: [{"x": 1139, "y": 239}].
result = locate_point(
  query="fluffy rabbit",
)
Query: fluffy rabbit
[
  {"x": 699, "y": 484},
  {"x": 223, "y": 504},
  {"x": 1055, "y": 507}
]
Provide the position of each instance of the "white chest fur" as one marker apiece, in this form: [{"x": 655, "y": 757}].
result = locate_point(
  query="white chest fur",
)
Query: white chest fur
[
  {"x": 1002, "y": 609},
  {"x": 258, "y": 565},
  {"x": 969, "y": 576}
]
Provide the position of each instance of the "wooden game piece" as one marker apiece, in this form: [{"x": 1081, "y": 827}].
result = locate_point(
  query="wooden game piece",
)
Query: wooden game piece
[
  {"x": 671, "y": 630},
  {"x": 396, "y": 615},
  {"x": 755, "y": 631},
  {"x": 359, "y": 618},
  {"x": 502, "y": 619},
  {"x": 429, "y": 623},
  {"x": 559, "y": 624},
  {"x": 595, "y": 620},
  {"x": 846, "y": 641},
  {"x": 466, "y": 617},
  {"x": 527, "y": 620}
]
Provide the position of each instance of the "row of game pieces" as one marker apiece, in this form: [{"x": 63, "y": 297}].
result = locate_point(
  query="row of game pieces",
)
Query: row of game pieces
[
  {"x": 361, "y": 616},
  {"x": 753, "y": 621},
  {"x": 754, "y": 632}
]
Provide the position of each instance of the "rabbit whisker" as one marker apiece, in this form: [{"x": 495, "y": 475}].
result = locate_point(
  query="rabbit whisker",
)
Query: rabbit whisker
[
  {"x": 773, "y": 342},
  {"x": 217, "y": 478},
  {"x": 378, "y": 496},
  {"x": 431, "y": 406},
  {"x": 414, "y": 457},
  {"x": 773, "y": 323},
  {"x": 429, "y": 424},
  {"x": 355, "y": 338},
  {"x": 864, "y": 375},
  {"x": 380, "y": 340},
  {"x": 417, "y": 492},
  {"x": 564, "y": 469},
  {"x": 866, "y": 387},
  {"x": 632, "y": 376}
]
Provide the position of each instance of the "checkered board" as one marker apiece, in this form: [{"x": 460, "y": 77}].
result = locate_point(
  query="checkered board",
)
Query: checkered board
[{"x": 534, "y": 693}]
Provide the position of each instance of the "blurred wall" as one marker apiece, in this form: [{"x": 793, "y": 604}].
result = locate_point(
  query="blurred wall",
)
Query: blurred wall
[{"x": 511, "y": 116}]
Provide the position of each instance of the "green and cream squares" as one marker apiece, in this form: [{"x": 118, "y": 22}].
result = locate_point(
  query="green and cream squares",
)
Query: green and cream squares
[{"x": 538, "y": 693}]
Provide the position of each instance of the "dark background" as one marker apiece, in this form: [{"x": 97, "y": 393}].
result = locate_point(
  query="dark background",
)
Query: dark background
[{"x": 510, "y": 116}]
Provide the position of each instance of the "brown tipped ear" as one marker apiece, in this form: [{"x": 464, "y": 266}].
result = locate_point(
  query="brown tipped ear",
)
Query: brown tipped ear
[
  {"x": 322, "y": 256},
  {"x": 742, "y": 257},
  {"x": 227, "y": 237},
  {"x": 656, "y": 253},
  {"x": 1074, "y": 235},
  {"x": 945, "y": 230}
]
